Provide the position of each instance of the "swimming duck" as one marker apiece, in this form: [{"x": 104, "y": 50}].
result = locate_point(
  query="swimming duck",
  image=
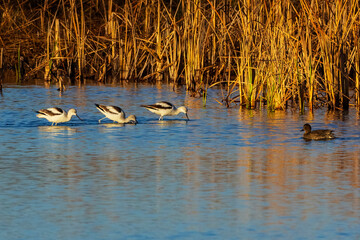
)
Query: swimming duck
[{"x": 321, "y": 134}]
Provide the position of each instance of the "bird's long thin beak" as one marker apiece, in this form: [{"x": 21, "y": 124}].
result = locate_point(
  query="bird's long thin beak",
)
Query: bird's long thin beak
[
  {"x": 79, "y": 117},
  {"x": 301, "y": 130},
  {"x": 186, "y": 115}
]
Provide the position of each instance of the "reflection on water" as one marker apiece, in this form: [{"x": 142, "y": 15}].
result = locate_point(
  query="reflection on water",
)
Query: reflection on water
[
  {"x": 58, "y": 130},
  {"x": 225, "y": 174},
  {"x": 113, "y": 125},
  {"x": 167, "y": 122}
]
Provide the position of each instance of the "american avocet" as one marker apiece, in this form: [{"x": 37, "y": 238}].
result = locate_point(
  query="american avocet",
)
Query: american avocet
[
  {"x": 321, "y": 134},
  {"x": 56, "y": 115},
  {"x": 115, "y": 113},
  {"x": 166, "y": 109}
]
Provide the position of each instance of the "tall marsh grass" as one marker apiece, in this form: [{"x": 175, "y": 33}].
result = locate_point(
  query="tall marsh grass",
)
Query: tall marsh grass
[{"x": 303, "y": 53}]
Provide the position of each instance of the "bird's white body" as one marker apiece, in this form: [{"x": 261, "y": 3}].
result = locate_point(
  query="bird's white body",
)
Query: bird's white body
[
  {"x": 115, "y": 114},
  {"x": 166, "y": 109},
  {"x": 56, "y": 115}
]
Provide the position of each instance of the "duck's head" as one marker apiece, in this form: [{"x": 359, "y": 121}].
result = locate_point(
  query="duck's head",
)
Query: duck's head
[{"x": 306, "y": 128}]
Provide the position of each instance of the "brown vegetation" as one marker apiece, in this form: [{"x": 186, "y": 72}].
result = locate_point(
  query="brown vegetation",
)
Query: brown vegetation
[{"x": 303, "y": 53}]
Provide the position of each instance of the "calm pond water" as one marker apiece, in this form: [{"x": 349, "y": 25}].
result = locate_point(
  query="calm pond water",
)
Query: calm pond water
[{"x": 225, "y": 174}]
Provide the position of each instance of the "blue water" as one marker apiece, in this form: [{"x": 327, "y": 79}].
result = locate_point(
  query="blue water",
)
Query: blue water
[{"x": 225, "y": 174}]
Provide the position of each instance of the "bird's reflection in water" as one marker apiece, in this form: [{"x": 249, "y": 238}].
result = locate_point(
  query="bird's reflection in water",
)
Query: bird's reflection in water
[
  {"x": 166, "y": 123},
  {"x": 58, "y": 130},
  {"x": 114, "y": 125},
  {"x": 109, "y": 127}
]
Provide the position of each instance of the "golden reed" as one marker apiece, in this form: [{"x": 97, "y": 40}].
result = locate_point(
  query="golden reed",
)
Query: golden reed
[{"x": 303, "y": 54}]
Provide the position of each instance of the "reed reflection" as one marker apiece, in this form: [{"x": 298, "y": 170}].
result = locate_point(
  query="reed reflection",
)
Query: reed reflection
[
  {"x": 273, "y": 180},
  {"x": 285, "y": 178}
]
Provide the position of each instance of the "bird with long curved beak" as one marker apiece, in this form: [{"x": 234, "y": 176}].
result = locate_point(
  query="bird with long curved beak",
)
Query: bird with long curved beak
[
  {"x": 115, "y": 113},
  {"x": 57, "y": 115},
  {"x": 166, "y": 109}
]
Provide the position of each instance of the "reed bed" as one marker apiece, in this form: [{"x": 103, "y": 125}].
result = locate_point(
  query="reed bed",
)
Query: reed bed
[{"x": 279, "y": 54}]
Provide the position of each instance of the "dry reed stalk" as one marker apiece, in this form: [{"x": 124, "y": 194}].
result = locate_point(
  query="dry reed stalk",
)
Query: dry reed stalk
[
  {"x": 57, "y": 55},
  {"x": 159, "y": 75},
  {"x": 332, "y": 41},
  {"x": 172, "y": 46},
  {"x": 113, "y": 58},
  {"x": 193, "y": 44},
  {"x": 112, "y": 29},
  {"x": 147, "y": 21},
  {"x": 18, "y": 67},
  {"x": 68, "y": 49},
  {"x": 357, "y": 72},
  {"x": 124, "y": 50},
  {"x": 81, "y": 41},
  {"x": 57, "y": 47},
  {"x": 276, "y": 49},
  {"x": 78, "y": 26},
  {"x": 1, "y": 57},
  {"x": 247, "y": 79},
  {"x": 174, "y": 56},
  {"x": 274, "y": 69},
  {"x": 128, "y": 48},
  {"x": 47, "y": 75},
  {"x": 251, "y": 82},
  {"x": 357, "y": 63},
  {"x": 309, "y": 63}
]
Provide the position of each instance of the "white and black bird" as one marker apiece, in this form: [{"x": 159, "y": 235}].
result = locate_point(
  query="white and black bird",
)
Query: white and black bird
[
  {"x": 115, "y": 114},
  {"x": 56, "y": 115},
  {"x": 166, "y": 109}
]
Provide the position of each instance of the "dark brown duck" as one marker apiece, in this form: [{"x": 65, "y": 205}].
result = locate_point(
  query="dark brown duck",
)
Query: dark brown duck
[{"x": 321, "y": 134}]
